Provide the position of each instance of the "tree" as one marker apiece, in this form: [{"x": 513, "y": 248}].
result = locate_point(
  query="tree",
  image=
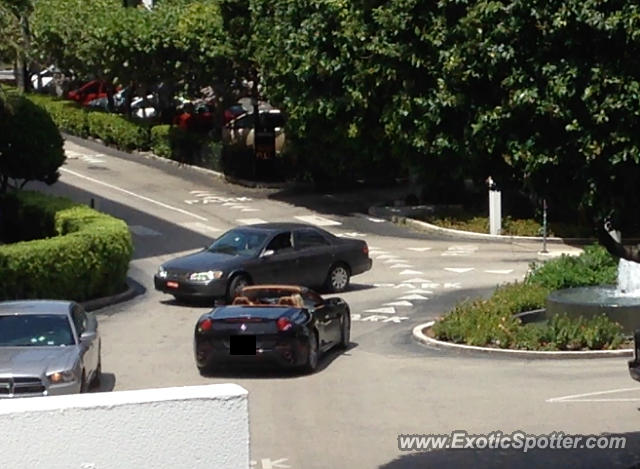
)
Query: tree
[
  {"x": 31, "y": 148},
  {"x": 15, "y": 33}
]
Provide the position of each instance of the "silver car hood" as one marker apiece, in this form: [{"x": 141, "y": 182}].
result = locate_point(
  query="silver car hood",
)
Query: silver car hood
[{"x": 36, "y": 361}]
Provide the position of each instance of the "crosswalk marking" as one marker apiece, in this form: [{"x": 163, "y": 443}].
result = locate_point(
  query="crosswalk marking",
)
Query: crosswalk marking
[{"x": 200, "y": 227}]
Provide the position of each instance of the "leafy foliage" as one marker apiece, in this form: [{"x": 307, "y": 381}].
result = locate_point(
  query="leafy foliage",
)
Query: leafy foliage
[
  {"x": 86, "y": 253},
  {"x": 30, "y": 143},
  {"x": 492, "y": 322}
]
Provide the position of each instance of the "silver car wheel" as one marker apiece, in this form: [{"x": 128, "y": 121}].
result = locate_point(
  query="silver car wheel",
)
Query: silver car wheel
[{"x": 339, "y": 278}]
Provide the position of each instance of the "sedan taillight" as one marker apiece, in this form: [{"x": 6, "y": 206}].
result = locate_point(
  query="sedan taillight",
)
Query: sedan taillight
[
  {"x": 284, "y": 324},
  {"x": 365, "y": 249}
]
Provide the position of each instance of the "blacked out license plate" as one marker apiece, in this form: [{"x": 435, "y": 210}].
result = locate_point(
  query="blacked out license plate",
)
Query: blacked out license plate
[{"x": 242, "y": 345}]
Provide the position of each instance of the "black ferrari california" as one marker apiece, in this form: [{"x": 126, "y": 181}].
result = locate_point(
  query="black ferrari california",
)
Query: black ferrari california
[
  {"x": 273, "y": 253},
  {"x": 284, "y": 324}
]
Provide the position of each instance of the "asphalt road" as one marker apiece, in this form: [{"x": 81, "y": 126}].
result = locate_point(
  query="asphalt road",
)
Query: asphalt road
[{"x": 349, "y": 414}]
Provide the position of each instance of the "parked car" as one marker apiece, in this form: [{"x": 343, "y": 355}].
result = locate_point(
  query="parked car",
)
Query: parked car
[
  {"x": 91, "y": 91},
  {"x": 239, "y": 132},
  {"x": 634, "y": 365},
  {"x": 283, "y": 253},
  {"x": 47, "y": 347},
  {"x": 289, "y": 325}
]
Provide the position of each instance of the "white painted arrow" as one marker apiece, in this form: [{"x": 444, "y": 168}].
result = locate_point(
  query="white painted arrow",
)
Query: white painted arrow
[
  {"x": 400, "y": 266},
  {"x": 413, "y": 297},
  {"x": 452, "y": 285},
  {"x": 383, "y": 285},
  {"x": 430, "y": 285},
  {"x": 396, "y": 319},
  {"x": 505, "y": 271},
  {"x": 410, "y": 272},
  {"x": 405, "y": 285},
  {"x": 419, "y": 249},
  {"x": 373, "y": 318},
  {"x": 399, "y": 303},
  {"x": 389, "y": 310},
  {"x": 459, "y": 270},
  {"x": 420, "y": 290}
]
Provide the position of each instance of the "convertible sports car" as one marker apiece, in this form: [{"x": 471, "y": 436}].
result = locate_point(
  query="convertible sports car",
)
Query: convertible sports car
[
  {"x": 47, "y": 347},
  {"x": 288, "y": 325},
  {"x": 282, "y": 253}
]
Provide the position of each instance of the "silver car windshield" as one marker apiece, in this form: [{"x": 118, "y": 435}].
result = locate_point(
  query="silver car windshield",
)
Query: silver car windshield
[
  {"x": 239, "y": 243},
  {"x": 35, "y": 330}
]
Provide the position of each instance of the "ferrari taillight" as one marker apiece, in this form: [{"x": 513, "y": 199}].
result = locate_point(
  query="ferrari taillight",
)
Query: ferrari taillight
[
  {"x": 205, "y": 325},
  {"x": 283, "y": 324}
]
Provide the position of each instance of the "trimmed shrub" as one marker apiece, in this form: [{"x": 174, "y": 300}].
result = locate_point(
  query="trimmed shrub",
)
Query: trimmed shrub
[
  {"x": 68, "y": 115},
  {"x": 161, "y": 140},
  {"x": 593, "y": 267},
  {"x": 86, "y": 255},
  {"x": 114, "y": 129}
]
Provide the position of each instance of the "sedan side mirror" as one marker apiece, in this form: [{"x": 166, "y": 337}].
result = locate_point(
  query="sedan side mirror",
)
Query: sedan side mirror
[{"x": 268, "y": 252}]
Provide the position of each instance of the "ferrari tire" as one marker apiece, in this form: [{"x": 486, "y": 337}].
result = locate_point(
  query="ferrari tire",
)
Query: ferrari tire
[
  {"x": 345, "y": 330},
  {"x": 311, "y": 362}
]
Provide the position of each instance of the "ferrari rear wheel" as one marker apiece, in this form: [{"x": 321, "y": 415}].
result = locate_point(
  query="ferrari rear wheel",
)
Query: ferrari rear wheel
[
  {"x": 345, "y": 330},
  {"x": 312, "y": 355}
]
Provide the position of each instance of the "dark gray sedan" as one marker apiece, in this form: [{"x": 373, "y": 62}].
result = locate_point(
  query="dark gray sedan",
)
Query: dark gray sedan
[
  {"x": 283, "y": 253},
  {"x": 47, "y": 347}
]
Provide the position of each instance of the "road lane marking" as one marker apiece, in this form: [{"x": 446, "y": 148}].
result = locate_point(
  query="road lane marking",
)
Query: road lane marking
[
  {"x": 452, "y": 285},
  {"x": 399, "y": 303},
  {"x": 400, "y": 266},
  {"x": 504, "y": 271},
  {"x": 386, "y": 256},
  {"x": 317, "y": 220},
  {"x": 132, "y": 194},
  {"x": 416, "y": 280},
  {"x": 383, "y": 285},
  {"x": 411, "y": 272},
  {"x": 420, "y": 290},
  {"x": 459, "y": 270},
  {"x": 415, "y": 296},
  {"x": 267, "y": 463},
  {"x": 419, "y": 249},
  {"x": 376, "y": 220},
  {"x": 387, "y": 310},
  {"x": 352, "y": 234},
  {"x": 585, "y": 397}
]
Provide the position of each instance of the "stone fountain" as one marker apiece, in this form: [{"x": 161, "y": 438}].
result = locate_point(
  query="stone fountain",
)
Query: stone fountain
[{"x": 621, "y": 302}]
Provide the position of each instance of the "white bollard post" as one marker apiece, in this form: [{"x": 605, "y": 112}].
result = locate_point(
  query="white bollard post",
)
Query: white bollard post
[{"x": 495, "y": 208}]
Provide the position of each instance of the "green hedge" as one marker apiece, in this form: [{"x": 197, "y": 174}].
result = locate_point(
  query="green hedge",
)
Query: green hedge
[
  {"x": 116, "y": 130},
  {"x": 68, "y": 116},
  {"x": 84, "y": 254},
  {"x": 492, "y": 322}
]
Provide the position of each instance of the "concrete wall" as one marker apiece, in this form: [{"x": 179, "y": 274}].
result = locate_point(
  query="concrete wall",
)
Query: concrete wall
[{"x": 174, "y": 428}]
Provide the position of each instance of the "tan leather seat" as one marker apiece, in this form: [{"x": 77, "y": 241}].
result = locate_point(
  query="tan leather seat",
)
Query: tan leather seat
[{"x": 241, "y": 300}]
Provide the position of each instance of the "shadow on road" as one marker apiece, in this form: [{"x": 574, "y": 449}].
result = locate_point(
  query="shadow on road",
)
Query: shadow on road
[
  {"x": 623, "y": 458},
  {"x": 107, "y": 383},
  {"x": 152, "y": 236}
]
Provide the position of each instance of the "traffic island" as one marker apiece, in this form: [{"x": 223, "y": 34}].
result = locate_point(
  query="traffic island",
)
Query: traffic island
[{"x": 423, "y": 334}]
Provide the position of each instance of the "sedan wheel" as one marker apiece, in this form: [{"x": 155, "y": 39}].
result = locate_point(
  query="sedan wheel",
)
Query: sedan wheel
[
  {"x": 338, "y": 278},
  {"x": 235, "y": 286},
  {"x": 312, "y": 356}
]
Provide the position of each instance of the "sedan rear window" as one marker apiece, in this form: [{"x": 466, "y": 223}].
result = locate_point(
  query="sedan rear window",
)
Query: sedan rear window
[{"x": 35, "y": 330}]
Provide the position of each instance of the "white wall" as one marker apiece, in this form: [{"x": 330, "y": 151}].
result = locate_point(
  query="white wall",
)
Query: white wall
[{"x": 187, "y": 427}]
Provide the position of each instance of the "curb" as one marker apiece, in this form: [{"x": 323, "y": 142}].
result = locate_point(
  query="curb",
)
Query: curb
[
  {"x": 136, "y": 155},
  {"x": 133, "y": 289},
  {"x": 420, "y": 337}
]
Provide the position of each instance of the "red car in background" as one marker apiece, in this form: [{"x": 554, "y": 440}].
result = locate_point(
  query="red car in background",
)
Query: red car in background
[{"x": 95, "y": 89}]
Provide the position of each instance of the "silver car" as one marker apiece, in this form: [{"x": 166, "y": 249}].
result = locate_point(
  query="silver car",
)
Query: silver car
[{"x": 47, "y": 347}]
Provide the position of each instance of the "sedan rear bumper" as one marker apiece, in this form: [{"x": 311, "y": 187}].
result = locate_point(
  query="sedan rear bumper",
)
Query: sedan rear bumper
[{"x": 634, "y": 369}]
